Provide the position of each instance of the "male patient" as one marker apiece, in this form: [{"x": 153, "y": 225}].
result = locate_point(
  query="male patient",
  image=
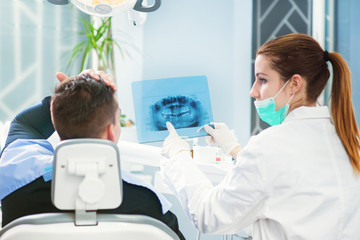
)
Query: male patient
[{"x": 83, "y": 106}]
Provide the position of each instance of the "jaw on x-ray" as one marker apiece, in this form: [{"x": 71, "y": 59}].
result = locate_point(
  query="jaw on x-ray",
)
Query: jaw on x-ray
[
  {"x": 181, "y": 111},
  {"x": 183, "y": 101}
]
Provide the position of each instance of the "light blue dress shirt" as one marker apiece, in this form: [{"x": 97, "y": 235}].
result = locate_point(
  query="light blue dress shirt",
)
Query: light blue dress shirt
[{"x": 25, "y": 160}]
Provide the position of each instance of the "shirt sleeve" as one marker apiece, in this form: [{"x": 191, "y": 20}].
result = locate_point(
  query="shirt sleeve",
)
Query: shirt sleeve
[
  {"x": 229, "y": 207},
  {"x": 32, "y": 123}
]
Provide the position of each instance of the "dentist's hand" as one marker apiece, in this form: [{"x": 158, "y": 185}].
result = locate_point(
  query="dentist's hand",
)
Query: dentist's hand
[
  {"x": 224, "y": 138},
  {"x": 173, "y": 144}
]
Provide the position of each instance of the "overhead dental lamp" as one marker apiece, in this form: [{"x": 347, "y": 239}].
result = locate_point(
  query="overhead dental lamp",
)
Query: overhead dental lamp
[{"x": 107, "y": 8}]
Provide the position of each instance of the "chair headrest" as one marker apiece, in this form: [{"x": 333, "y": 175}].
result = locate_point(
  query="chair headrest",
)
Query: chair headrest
[{"x": 86, "y": 175}]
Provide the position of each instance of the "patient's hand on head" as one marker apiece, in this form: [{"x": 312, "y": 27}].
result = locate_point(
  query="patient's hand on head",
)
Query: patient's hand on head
[
  {"x": 61, "y": 76},
  {"x": 97, "y": 75}
]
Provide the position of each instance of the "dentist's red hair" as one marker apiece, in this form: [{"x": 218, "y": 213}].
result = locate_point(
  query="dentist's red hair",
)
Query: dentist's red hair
[{"x": 301, "y": 54}]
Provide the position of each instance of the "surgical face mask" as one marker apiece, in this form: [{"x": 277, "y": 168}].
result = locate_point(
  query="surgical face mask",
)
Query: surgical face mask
[{"x": 266, "y": 109}]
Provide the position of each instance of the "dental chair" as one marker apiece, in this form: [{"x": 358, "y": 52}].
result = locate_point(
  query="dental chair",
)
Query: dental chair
[{"x": 86, "y": 178}]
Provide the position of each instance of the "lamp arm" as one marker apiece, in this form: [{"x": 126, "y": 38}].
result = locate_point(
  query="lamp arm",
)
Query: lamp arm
[
  {"x": 141, "y": 8},
  {"x": 59, "y": 2}
]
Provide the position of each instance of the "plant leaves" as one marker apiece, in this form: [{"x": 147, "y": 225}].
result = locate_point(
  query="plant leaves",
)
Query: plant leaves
[{"x": 98, "y": 39}]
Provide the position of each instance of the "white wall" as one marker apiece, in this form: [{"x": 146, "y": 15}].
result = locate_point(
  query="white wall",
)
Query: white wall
[{"x": 194, "y": 37}]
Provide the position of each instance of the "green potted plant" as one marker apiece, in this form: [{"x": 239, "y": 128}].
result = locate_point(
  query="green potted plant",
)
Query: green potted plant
[{"x": 98, "y": 43}]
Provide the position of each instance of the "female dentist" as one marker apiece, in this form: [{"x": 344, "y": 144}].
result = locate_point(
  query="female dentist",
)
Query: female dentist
[{"x": 298, "y": 179}]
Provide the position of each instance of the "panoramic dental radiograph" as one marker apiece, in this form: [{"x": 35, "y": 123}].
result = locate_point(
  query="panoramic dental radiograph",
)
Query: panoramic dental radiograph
[
  {"x": 183, "y": 101},
  {"x": 181, "y": 111}
]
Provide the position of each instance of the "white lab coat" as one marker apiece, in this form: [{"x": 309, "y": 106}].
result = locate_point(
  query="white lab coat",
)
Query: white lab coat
[{"x": 292, "y": 181}]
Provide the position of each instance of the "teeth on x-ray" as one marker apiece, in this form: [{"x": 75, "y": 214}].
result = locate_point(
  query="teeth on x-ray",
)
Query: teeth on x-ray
[{"x": 181, "y": 111}]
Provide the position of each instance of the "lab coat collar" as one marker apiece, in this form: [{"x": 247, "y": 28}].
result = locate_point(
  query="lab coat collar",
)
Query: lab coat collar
[{"x": 308, "y": 113}]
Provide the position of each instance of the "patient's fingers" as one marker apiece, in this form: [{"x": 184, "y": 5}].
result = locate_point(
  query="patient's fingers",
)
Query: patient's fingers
[
  {"x": 97, "y": 75},
  {"x": 108, "y": 79},
  {"x": 61, "y": 76},
  {"x": 92, "y": 73}
]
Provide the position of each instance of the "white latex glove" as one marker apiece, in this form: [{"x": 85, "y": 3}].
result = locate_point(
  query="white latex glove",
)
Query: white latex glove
[
  {"x": 173, "y": 144},
  {"x": 222, "y": 136}
]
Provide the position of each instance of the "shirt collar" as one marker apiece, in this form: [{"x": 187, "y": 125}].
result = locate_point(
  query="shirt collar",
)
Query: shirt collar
[{"x": 308, "y": 113}]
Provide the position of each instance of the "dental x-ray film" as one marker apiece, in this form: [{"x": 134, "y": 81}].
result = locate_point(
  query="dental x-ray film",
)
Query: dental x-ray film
[{"x": 183, "y": 101}]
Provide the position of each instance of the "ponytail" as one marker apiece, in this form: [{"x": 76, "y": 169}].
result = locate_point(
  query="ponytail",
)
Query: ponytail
[
  {"x": 342, "y": 110},
  {"x": 298, "y": 53}
]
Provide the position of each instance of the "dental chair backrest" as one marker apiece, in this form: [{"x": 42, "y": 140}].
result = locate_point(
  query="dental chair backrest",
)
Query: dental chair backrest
[{"x": 86, "y": 178}]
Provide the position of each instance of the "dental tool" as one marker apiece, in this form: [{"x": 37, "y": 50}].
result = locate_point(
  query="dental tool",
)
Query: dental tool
[{"x": 201, "y": 129}]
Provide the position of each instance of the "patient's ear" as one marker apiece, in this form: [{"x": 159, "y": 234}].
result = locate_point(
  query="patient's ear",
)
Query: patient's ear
[{"x": 110, "y": 133}]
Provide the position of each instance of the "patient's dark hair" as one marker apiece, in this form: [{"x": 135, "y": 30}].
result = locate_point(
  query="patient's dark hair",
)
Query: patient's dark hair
[{"x": 82, "y": 107}]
